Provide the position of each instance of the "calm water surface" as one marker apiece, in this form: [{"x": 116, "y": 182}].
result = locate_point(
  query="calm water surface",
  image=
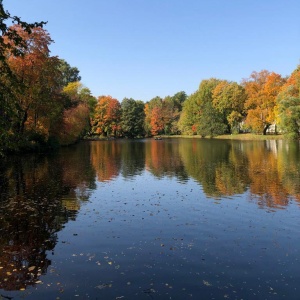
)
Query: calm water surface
[{"x": 170, "y": 219}]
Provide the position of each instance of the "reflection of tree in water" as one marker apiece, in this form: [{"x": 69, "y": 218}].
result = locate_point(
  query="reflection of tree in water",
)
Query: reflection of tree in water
[
  {"x": 265, "y": 183},
  {"x": 32, "y": 212},
  {"x": 269, "y": 169},
  {"x": 163, "y": 159},
  {"x": 77, "y": 176},
  {"x": 133, "y": 158},
  {"x": 106, "y": 159},
  {"x": 28, "y": 230},
  {"x": 289, "y": 167},
  {"x": 218, "y": 166}
]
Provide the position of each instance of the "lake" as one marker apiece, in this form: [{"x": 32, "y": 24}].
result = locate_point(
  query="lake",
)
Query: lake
[{"x": 147, "y": 219}]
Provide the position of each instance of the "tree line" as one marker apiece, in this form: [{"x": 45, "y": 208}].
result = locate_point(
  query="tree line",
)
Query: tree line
[
  {"x": 44, "y": 104},
  {"x": 217, "y": 107}
]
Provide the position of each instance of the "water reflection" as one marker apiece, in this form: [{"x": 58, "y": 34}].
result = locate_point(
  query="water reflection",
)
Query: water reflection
[
  {"x": 163, "y": 159},
  {"x": 106, "y": 159},
  {"x": 217, "y": 165},
  {"x": 269, "y": 170},
  {"x": 32, "y": 210},
  {"x": 39, "y": 194}
]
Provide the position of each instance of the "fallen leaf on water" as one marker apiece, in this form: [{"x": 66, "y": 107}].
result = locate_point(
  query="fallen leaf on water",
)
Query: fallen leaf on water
[
  {"x": 206, "y": 283},
  {"x": 104, "y": 285}
]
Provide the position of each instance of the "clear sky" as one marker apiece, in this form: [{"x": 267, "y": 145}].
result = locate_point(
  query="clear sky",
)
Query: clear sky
[{"x": 147, "y": 48}]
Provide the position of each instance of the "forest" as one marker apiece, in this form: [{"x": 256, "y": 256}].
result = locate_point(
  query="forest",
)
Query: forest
[{"x": 43, "y": 103}]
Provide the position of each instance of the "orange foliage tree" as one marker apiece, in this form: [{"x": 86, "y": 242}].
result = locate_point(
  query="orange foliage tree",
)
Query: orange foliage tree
[
  {"x": 162, "y": 115},
  {"x": 75, "y": 124},
  {"x": 156, "y": 121},
  {"x": 38, "y": 81},
  {"x": 262, "y": 89},
  {"x": 151, "y": 120},
  {"x": 107, "y": 117}
]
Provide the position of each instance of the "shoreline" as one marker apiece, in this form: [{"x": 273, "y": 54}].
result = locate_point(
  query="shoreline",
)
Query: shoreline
[{"x": 240, "y": 136}]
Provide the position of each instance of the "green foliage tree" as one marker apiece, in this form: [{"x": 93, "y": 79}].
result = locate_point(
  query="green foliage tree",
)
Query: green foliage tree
[
  {"x": 288, "y": 101},
  {"x": 132, "y": 118},
  {"x": 199, "y": 114},
  {"x": 171, "y": 109},
  {"x": 189, "y": 117},
  {"x": 69, "y": 74},
  {"x": 86, "y": 96},
  {"x": 229, "y": 99}
]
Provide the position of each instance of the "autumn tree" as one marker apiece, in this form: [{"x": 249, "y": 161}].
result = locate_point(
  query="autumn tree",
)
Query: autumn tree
[
  {"x": 153, "y": 122},
  {"x": 10, "y": 43},
  {"x": 107, "y": 116},
  {"x": 262, "y": 89},
  {"x": 75, "y": 121},
  {"x": 132, "y": 118},
  {"x": 172, "y": 107},
  {"x": 75, "y": 124},
  {"x": 162, "y": 114},
  {"x": 228, "y": 99},
  {"x": 14, "y": 39},
  {"x": 156, "y": 122},
  {"x": 38, "y": 75},
  {"x": 288, "y": 101}
]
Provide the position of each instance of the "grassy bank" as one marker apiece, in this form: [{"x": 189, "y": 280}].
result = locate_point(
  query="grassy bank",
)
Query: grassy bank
[
  {"x": 250, "y": 136},
  {"x": 241, "y": 136}
]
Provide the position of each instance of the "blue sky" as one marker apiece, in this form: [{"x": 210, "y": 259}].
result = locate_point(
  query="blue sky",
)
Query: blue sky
[{"x": 147, "y": 48}]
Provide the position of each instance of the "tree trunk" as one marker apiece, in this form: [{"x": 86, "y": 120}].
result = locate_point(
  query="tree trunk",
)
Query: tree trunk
[
  {"x": 265, "y": 129},
  {"x": 24, "y": 119}
]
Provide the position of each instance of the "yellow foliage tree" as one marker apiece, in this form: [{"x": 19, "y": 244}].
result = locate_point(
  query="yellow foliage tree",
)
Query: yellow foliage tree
[{"x": 262, "y": 89}]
